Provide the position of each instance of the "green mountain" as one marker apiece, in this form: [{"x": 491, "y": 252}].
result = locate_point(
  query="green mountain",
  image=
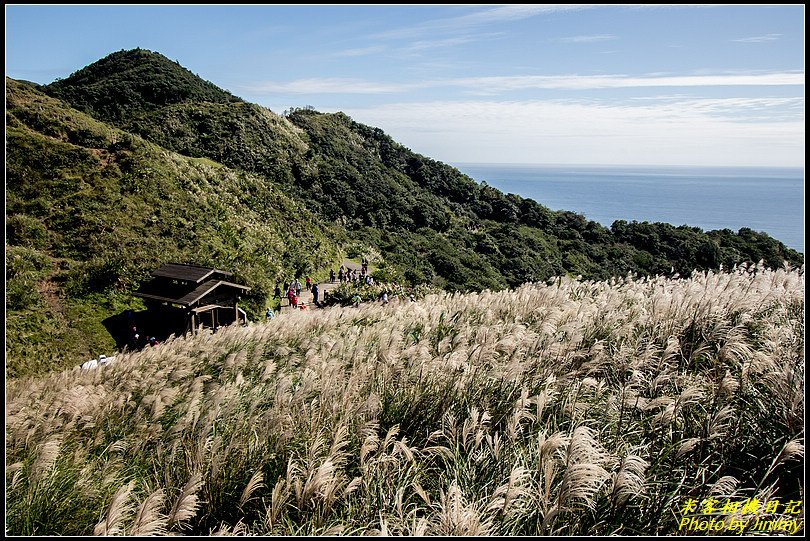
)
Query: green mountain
[
  {"x": 91, "y": 210},
  {"x": 129, "y": 82},
  {"x": 134, "y": 161}
]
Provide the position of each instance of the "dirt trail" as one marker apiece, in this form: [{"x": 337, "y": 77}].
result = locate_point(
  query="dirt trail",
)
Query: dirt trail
[
  {"x": 327, "y": 285},
  {"x": 50, "y": 292},
  {"x": 323, "y": 287}
]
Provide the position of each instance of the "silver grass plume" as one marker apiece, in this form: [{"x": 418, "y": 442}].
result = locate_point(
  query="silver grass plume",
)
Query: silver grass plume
[
  {"x": 547, "y": 462},
  {"x": 584, "y": 474},
  {"x": 687, "y": 445},
  {"x": 725, "y": 486},
  {"x": 793, "y": 449},
  {"x": 186, "y": 505},
  {"x": 506, "y": 494},
  {"x": 720, "y": 422},
  {"x": 457, "y": 517},
  {"x": 16, "y": 472},
  {"x": 278, "y": 498},
  {"x": 224, "y": 530},
  {"x": 121, "y": 508},
  {"x": 149, "y": 520},
  {"x": 255, "y": 483},
  {"x": 629, "y": 481},
  {"x": 47, "y": 454}
]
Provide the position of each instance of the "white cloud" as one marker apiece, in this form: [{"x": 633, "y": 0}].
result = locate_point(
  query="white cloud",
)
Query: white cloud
[
  {"x": 449, "y": 42},
  {"x": 480, "y": 18},
  {"x": 588, "y": 39},
  {"x": 334, "y": 85},
  {"x": 510, "y": 13},
  {"x": 759, "y": 39},
  {"x": 494, "y": 85},
  {"x": 689, "y": 132},
  {"x": 583, "y": 82},
  {"x": 362, "y": 51}
]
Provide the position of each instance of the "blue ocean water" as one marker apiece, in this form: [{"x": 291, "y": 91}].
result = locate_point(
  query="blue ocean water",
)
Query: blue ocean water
[{"x": 766, "y": 199}]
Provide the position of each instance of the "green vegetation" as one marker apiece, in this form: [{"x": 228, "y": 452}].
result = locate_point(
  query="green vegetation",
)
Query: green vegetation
[
  {"x": 439, "y": 225},
  {"x": 135, "y": 161},
  {"x": 577, "y": 408},
  {"x": 128, "y": 82},
  {"x": 92, "y": 210}
]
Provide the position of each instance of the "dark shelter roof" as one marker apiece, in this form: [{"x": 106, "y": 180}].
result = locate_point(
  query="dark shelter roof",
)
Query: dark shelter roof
[
  {"x": 192, "y": 273},
  {"x": 204, "y": 289},
  {"x": 165, "y": 288}
]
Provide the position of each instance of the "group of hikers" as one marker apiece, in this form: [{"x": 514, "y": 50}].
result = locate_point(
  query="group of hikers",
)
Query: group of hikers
[
  {"x": 292, "y": 289},
  {"x": 345, "y": 275},
  {"x": 138, "y": 341}
]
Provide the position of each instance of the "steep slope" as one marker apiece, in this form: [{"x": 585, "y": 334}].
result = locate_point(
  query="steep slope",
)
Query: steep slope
[
  {"x": 429, "y": 221},
  {"x": 91, "y": 210}
]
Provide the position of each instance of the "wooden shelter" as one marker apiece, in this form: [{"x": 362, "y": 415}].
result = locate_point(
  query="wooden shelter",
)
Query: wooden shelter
[{"x": 193, "y": 296}]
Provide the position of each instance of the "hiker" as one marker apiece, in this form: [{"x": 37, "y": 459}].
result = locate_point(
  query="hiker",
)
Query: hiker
[
  {"x": 309, "y": 283},
  {"x": 315, "y": 292},
  {"x": 356, "y": 300},
  {"x": 153, "y": 342},
  {"x": 290, "y": 295},
  {"x": 341, "y": 274},
  {"x": 135, "y": 338},
  {"x": 294, "y": 300},
  {"x": 297, "y": 287},
  {"x": 277, "y": 292},
  {"x": 385, "y": 297},
  {"x": 332, "y": 276},
  {"x": 269, "y": 314}
]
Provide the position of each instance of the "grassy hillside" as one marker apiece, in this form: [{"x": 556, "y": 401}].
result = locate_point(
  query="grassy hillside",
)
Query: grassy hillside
[
  {"x": 429, "y": 221},
  {"x": 588, "y": 408},
  {"x": 92, "y": 210}
]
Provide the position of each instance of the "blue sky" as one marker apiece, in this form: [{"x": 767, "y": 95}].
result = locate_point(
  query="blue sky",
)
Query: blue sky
[{"x": 581, "y": 84}]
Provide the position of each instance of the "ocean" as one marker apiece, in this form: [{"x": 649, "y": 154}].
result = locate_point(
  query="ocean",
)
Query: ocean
[{"x": 765, "y": 199}]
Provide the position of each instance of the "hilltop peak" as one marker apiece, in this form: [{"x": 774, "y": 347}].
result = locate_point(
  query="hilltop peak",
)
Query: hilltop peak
[{"x": 128, "y": 82}]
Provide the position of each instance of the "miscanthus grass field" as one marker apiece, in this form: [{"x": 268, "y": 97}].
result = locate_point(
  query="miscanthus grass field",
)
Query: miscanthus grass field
[{"x": 570, "y": 408}]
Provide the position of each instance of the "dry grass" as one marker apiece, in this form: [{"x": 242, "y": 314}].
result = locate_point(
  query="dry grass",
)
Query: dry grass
[{"x": 571, "y": 408}]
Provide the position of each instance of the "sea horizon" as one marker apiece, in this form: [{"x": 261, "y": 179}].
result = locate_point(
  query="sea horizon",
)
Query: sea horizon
[
  {"x": 767, "y": 199},
  {"x": 625, "y": 166}
]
